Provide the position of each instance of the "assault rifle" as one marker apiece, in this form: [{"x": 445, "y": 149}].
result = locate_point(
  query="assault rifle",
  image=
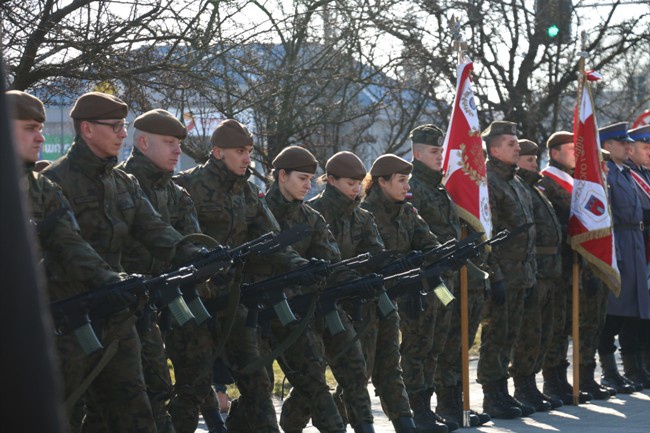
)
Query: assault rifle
[
  {"x": 76, "y": 314},
  {"x": 270, "y": 292},
  {"x": 263, "y": 245}
]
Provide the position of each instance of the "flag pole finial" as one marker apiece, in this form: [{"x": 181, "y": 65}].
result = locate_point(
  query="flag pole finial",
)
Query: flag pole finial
[{"x": 459, "y": 44}]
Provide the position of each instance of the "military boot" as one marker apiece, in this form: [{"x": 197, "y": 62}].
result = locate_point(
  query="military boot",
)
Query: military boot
[
  {"x": 364, "y": 427},
  {"x": 495, "y": 405},
  {"x": 553, "y": 387},
  {"x": 634, "y": 371},
  {"x": 450, "y": 423},
  {"x": 450, "y": 405},
  {"x": 610, "y": 376},
  {"x": 645, "y": 369},
  {"x": 527, "y": 393},
  {"x": 526, "y": 409},
  {"x": 588, "y": 384},
  {"x": 404, "y": 424},
  {"x": 583, "y": 397},
  {"x": 213, "y": 420},
  {"x": 423, "y": 417}
]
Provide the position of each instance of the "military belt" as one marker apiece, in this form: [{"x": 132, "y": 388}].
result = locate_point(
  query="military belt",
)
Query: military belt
[
  {"x": 635, "y": 226},
  {"x": 546, "y": 251}
]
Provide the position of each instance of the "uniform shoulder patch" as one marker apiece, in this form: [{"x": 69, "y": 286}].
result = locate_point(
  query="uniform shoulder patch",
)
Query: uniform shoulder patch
[{"x": 409, "y": 195}]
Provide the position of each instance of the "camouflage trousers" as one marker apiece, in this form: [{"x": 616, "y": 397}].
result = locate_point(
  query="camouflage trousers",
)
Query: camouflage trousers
[
  {"x": 441, "y": 330},
  {"x": 449, "y": 371},
  {"x": 536, "y": 329},
  {"x": 500, "y": 327},
  {"x": 593, "y": 311},
  {"x": 417, "y": 346},
  {"x": 348, "y": 366},
  {"x": 194, "y": 351},
  {"x": 559, "y": 343},
  {"x": 118, "y": 395},
  {"x": 380, "y": 345}
]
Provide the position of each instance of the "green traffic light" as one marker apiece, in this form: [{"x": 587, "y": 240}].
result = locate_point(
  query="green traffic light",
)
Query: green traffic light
[{"x": 553, "y": 31}]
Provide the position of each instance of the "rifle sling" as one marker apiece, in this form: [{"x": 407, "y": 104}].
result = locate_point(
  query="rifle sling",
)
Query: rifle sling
[
  {"x": 286, "y": 343},
  {"x": 108, "y": 354}
]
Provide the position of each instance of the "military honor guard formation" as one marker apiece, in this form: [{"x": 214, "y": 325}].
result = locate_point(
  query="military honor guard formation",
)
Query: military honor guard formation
[{"x": 204, "y": 270}]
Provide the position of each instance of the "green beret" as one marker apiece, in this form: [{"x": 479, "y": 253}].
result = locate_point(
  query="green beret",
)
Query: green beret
[
  {"x": 527, "y": 147},
  {"x": 297, "y": 159},
  {"x": 499, "y": 127},
  {"x": 98, "y": 106},
  {"x": 231, "y": 134},
  {"x": 389, "y": 164},
  {"x": 559, "y": 138},
  {"x": 428, "y": 134},
  {"x": 160, "y": 122},
  {"x": 24, "y": 106},
  {"x": 346, "y": 164}
]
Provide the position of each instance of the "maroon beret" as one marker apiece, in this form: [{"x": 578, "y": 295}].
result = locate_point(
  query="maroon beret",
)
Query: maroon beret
[
  {"x": 389, "y": 164},
  {"x": 24, "y": 106},
  {"x": 297, "y": 159},
  {"x": 98, "y": 106},
  {"x": 231, "y": 134},
  {"x": 559, "y": 138},
  {"x": 160, "y": 122},
  {"x": 527, "y": 147},
  {"x": 346, "y": 164}
]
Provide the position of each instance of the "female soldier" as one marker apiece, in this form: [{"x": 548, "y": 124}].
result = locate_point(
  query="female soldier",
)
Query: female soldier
[
  {"x": 403, "y": 230},
  {"x": 356, "y": 233},
  {"x": 294, "y": 169}
]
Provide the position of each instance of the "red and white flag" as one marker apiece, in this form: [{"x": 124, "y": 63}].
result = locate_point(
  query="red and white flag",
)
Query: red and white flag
[
  {"x": 590, "y": 220},
  {"x": 465, "y": 177}
]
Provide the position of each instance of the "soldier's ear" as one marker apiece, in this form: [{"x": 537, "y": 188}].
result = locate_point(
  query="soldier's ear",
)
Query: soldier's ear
[{"x": 216, "y": 152}]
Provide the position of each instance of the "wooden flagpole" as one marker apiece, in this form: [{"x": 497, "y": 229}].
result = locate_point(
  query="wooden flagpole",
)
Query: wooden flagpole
[
  {"x": 576, "y": 263},
  {"x": 459, "y": 45}
]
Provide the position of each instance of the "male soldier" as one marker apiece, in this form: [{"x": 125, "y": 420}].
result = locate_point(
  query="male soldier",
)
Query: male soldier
[
  {"x": 639, "y": 164},
  {"x": 57, "y": 230},
  {"x": 433, "y": 203},
  {"x": 293, "y": 170},
  {"x": 557, "y": 184},
  {"x": 156, "y": 150},
  {"x": 233, "y": 211},
  {"x": 633, "y": 303},
  {"x": 512, "y": 271},
  {"x": 537, "y": 324},
  {"x": 110, "y": 206}
]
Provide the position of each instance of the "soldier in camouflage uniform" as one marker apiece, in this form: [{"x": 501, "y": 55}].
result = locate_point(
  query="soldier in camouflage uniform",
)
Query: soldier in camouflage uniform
[
  {"x": 512, "y": 269},
  {"x": 110, "y": 206},
  {"x": 403, "y": 230},
  {"x": 294, "y": 169},
  {"x": 430, "y": 198},
  {"x": 233, "y": 211},
  {"x": 557, "y": 184},
  {"x": 156, "y": 150},
  {"x": 537, "y": 324}
]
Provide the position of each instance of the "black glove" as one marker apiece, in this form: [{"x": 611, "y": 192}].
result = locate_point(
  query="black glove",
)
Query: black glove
[
  {"x": 498, "y": 293},
  {"x": 121, "y": 298},
  {"x": 223, "y": 278},
  {"x": 311, "y": 279}
]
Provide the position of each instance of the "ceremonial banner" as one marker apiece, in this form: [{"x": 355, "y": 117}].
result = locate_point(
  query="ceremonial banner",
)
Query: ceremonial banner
[
  {"x": 590, "y": 221},
  {"x": 465, "y": 177}
]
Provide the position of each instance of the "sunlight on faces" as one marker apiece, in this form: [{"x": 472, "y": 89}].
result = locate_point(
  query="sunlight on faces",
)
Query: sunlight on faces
[
  {"x": 431, "y": 156},
  {"x": 395, "y": 188},
  {"x": 28, "y": 134},
  {"x": 294, "y": 185},
  {"x": 641, "y": 153},
  {"x": 564, "y": 154},
  {"x": 505, "y": 148},
  {"x": 101, "y": 139},
  {"x": 236, "y": 159},
  {"x": 351, "y": 188},
  {"x": 163, "y": 150},
  {"x": 619, "y": 151},
  {"x": 528, "y": 162}
]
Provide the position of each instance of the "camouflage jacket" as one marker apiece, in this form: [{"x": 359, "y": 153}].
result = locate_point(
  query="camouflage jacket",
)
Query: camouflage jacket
[
  {"x": 430, "y": 198},
  {"x": 233, "y": 211},
  {"x": 401, "y": 227},
  {"x": 560, "y": 198},
  {"x": 171, "y": 201},
  {"x": 111, "y": 208},
  {"x": 354, "y": 228},
  {"x": 68, "y": 257},
  {"x": 548, "y": 232},
  {"x": 319, "y": 244},
  {"x": 511, "y": 206}
]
